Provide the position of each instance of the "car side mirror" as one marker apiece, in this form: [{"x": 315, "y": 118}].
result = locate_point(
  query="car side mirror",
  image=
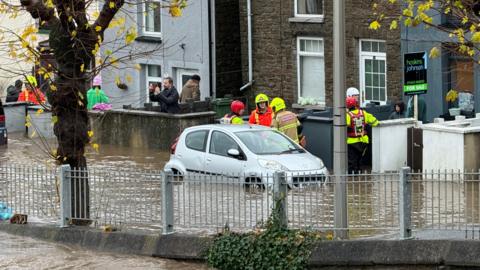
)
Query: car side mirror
[{"x": 233, "y": 153}]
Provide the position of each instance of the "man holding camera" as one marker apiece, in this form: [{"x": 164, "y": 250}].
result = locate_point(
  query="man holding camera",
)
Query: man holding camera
[{"x": 168, "y": 98}]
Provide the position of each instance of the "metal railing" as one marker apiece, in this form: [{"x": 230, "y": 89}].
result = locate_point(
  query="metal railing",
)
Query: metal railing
[
  {"x": 122, "y": 198},
  {"x": 30, "y": 190},
  {"x": 399, "y": 204}
]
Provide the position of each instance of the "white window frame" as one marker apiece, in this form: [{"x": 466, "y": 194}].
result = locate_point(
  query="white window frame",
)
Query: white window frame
[
  {"x": 144, "y": 20},
  {"x": 321, "y": 16},
  {"x": 319, "y": 55},
  {"x": 151, "y": 78},
  {"x": 374, "y": 56}
]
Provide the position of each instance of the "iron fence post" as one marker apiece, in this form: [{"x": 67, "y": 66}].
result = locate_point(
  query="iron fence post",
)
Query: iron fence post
[
  {"x": 167, "y": 201},
  {"x": 65, "y": 196},
  {"x": 280, "y": 190},
  {"x": 405, "y": 203}
]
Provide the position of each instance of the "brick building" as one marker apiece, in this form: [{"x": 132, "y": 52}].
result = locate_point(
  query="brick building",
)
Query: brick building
[{"x": 292, "y": 43}]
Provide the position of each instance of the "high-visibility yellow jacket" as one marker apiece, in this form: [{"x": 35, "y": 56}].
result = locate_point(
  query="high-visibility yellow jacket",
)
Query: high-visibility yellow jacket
[
  {"x": 232, "y": 119},
  {"x": 356, "y": 131}
]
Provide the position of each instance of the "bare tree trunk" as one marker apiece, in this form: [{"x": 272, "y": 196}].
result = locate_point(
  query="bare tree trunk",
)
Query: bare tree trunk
[{"x": 68, "y": 103}]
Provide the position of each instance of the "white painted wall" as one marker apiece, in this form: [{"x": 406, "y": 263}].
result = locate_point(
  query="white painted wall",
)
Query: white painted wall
[
  {"x": 443, "y": 150},
  {"x": 389, "y": 145}
]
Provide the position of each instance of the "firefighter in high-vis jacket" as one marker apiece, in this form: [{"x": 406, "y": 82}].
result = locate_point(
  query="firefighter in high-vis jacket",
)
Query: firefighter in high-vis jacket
[
  {"x": 357, "y": 138},
  {"x": 235, "y": 117},
  {"x": 286, "y": 121},
  {"x": 262, "y": 115}
]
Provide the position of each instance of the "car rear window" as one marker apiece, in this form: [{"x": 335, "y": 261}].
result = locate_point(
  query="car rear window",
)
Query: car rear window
[{"x": 197, "y": 140}]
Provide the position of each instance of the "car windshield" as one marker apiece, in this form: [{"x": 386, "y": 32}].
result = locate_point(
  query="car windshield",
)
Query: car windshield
[{"x": 268, "y": 142}]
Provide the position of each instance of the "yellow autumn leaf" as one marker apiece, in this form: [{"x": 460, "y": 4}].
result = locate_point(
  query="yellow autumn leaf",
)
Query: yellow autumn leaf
[
  {"x": 98, "y": 28},
  {"x": 476, "y": 37},
  {"x": 434, "y": 52},
  {"x": 374, "y": 25},
  {"x": 393, "y": 25},
  {"x": 53, "y": 87},
  {"x": 24, "y": 44},
  {"x": 138, "y": 67},
  {"x": 54, "y": 119},
  {"x": 111, "y": 4},
  {"x": 90, "y": 133},
  {"x": 95, "y": 147},
  {"x": 130, "y": 36},
  {"x": 74, "y": 33},
  {"x": 175, "y": 11},
  {"x": 117, "y": 80},
  {"x": 82, "y": 67},
  {"x": 39, "y": 111}
]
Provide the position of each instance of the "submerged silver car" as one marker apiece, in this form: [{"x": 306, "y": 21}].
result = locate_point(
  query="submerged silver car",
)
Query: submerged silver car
[{"x": 249, "y": 151}]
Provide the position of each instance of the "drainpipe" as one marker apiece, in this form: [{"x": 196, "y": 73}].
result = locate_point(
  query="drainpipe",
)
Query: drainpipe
[{"x": 249, "y": 36}]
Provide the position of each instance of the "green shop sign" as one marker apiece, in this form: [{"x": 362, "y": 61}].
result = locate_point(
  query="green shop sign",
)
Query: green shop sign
[{"x": 415, "y": 73}]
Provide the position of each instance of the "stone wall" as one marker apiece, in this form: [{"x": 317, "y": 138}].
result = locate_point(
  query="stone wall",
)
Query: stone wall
[
  {"x": 143, "y": 129},
  {"x": 275, "y": 34}
]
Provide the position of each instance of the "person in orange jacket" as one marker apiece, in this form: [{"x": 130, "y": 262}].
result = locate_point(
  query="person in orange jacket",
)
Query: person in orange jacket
[
  {"x": 263, "y": 114},
  {"x": 31, "y": 93}
]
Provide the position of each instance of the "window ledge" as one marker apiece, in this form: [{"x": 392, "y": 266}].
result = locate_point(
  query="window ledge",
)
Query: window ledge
[
  {"x": 146, "y": 38},
  {"x": 319, "y": 107},
  {"x": 319, "y": 19}
]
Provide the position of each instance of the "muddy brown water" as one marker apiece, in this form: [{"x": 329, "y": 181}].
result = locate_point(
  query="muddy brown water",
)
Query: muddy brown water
[{"x": 26, "y": 253}]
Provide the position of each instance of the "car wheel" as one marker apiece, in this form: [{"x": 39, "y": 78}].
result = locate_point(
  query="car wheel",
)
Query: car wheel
[
  {"x": 177, "y": 176},
  {"x": 254, "y": 183}
]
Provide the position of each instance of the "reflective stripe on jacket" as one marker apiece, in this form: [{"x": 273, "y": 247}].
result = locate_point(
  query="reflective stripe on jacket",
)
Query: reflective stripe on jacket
[
  {"x": 232, "y": 119},
  {"x": 287, "y": 123},
  {"x": 367, "y": 118},
  {"x": 264, "y": 119}
]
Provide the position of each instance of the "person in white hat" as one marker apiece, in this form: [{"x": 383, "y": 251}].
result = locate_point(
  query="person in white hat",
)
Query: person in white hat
[{"x": 353, "y": 92}]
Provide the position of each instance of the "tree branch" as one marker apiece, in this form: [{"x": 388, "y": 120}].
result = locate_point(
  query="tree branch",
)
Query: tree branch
[
  {"x": 107, "y": 14},
  {"x": 38, "y": 9}
]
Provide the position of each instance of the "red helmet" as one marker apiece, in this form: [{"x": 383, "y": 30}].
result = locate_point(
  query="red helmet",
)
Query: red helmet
[
  {"x": 351, "y": 102},
  {"x": 237, "y": 106}
]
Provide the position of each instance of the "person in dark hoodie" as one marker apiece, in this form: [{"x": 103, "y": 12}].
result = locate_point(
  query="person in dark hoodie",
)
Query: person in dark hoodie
[
  {"x": 14, "y": 91},
  {"x": 191, "y": 89},
  {"x": 398, "y": 111},
  {"x": 168, "y": 98}
]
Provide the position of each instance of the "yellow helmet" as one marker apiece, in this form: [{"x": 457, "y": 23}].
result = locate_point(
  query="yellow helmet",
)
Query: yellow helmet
[
  {"x": 277, "y": 104},
  {"x": 261, "y": 98},
  {"x": 31, "y": 79}
]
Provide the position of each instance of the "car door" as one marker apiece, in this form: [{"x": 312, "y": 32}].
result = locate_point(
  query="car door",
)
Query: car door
[
  {"x": 217, "y": 160},
  {"x": 193, "y": 157}
]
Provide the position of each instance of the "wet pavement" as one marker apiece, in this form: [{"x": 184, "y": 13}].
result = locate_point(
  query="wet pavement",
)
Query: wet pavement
[{"x": 26, "y": 253}]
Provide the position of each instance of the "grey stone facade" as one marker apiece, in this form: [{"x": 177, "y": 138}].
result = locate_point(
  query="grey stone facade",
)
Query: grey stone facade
[
  {"x": 204, "y": 41},
  {"x": 275, "y": 32}
]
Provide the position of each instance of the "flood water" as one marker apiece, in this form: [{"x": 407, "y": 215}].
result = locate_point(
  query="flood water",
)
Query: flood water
[
  {"x": 23, "y": 150},
  {"x": 25, "y": 253}
]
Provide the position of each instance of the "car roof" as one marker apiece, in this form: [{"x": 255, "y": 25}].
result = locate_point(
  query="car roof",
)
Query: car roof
[{"x": 228, "y": 127}]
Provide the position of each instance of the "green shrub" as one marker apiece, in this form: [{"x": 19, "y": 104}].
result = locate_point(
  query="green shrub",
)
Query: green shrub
[{"x": 270, "y": 247}]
